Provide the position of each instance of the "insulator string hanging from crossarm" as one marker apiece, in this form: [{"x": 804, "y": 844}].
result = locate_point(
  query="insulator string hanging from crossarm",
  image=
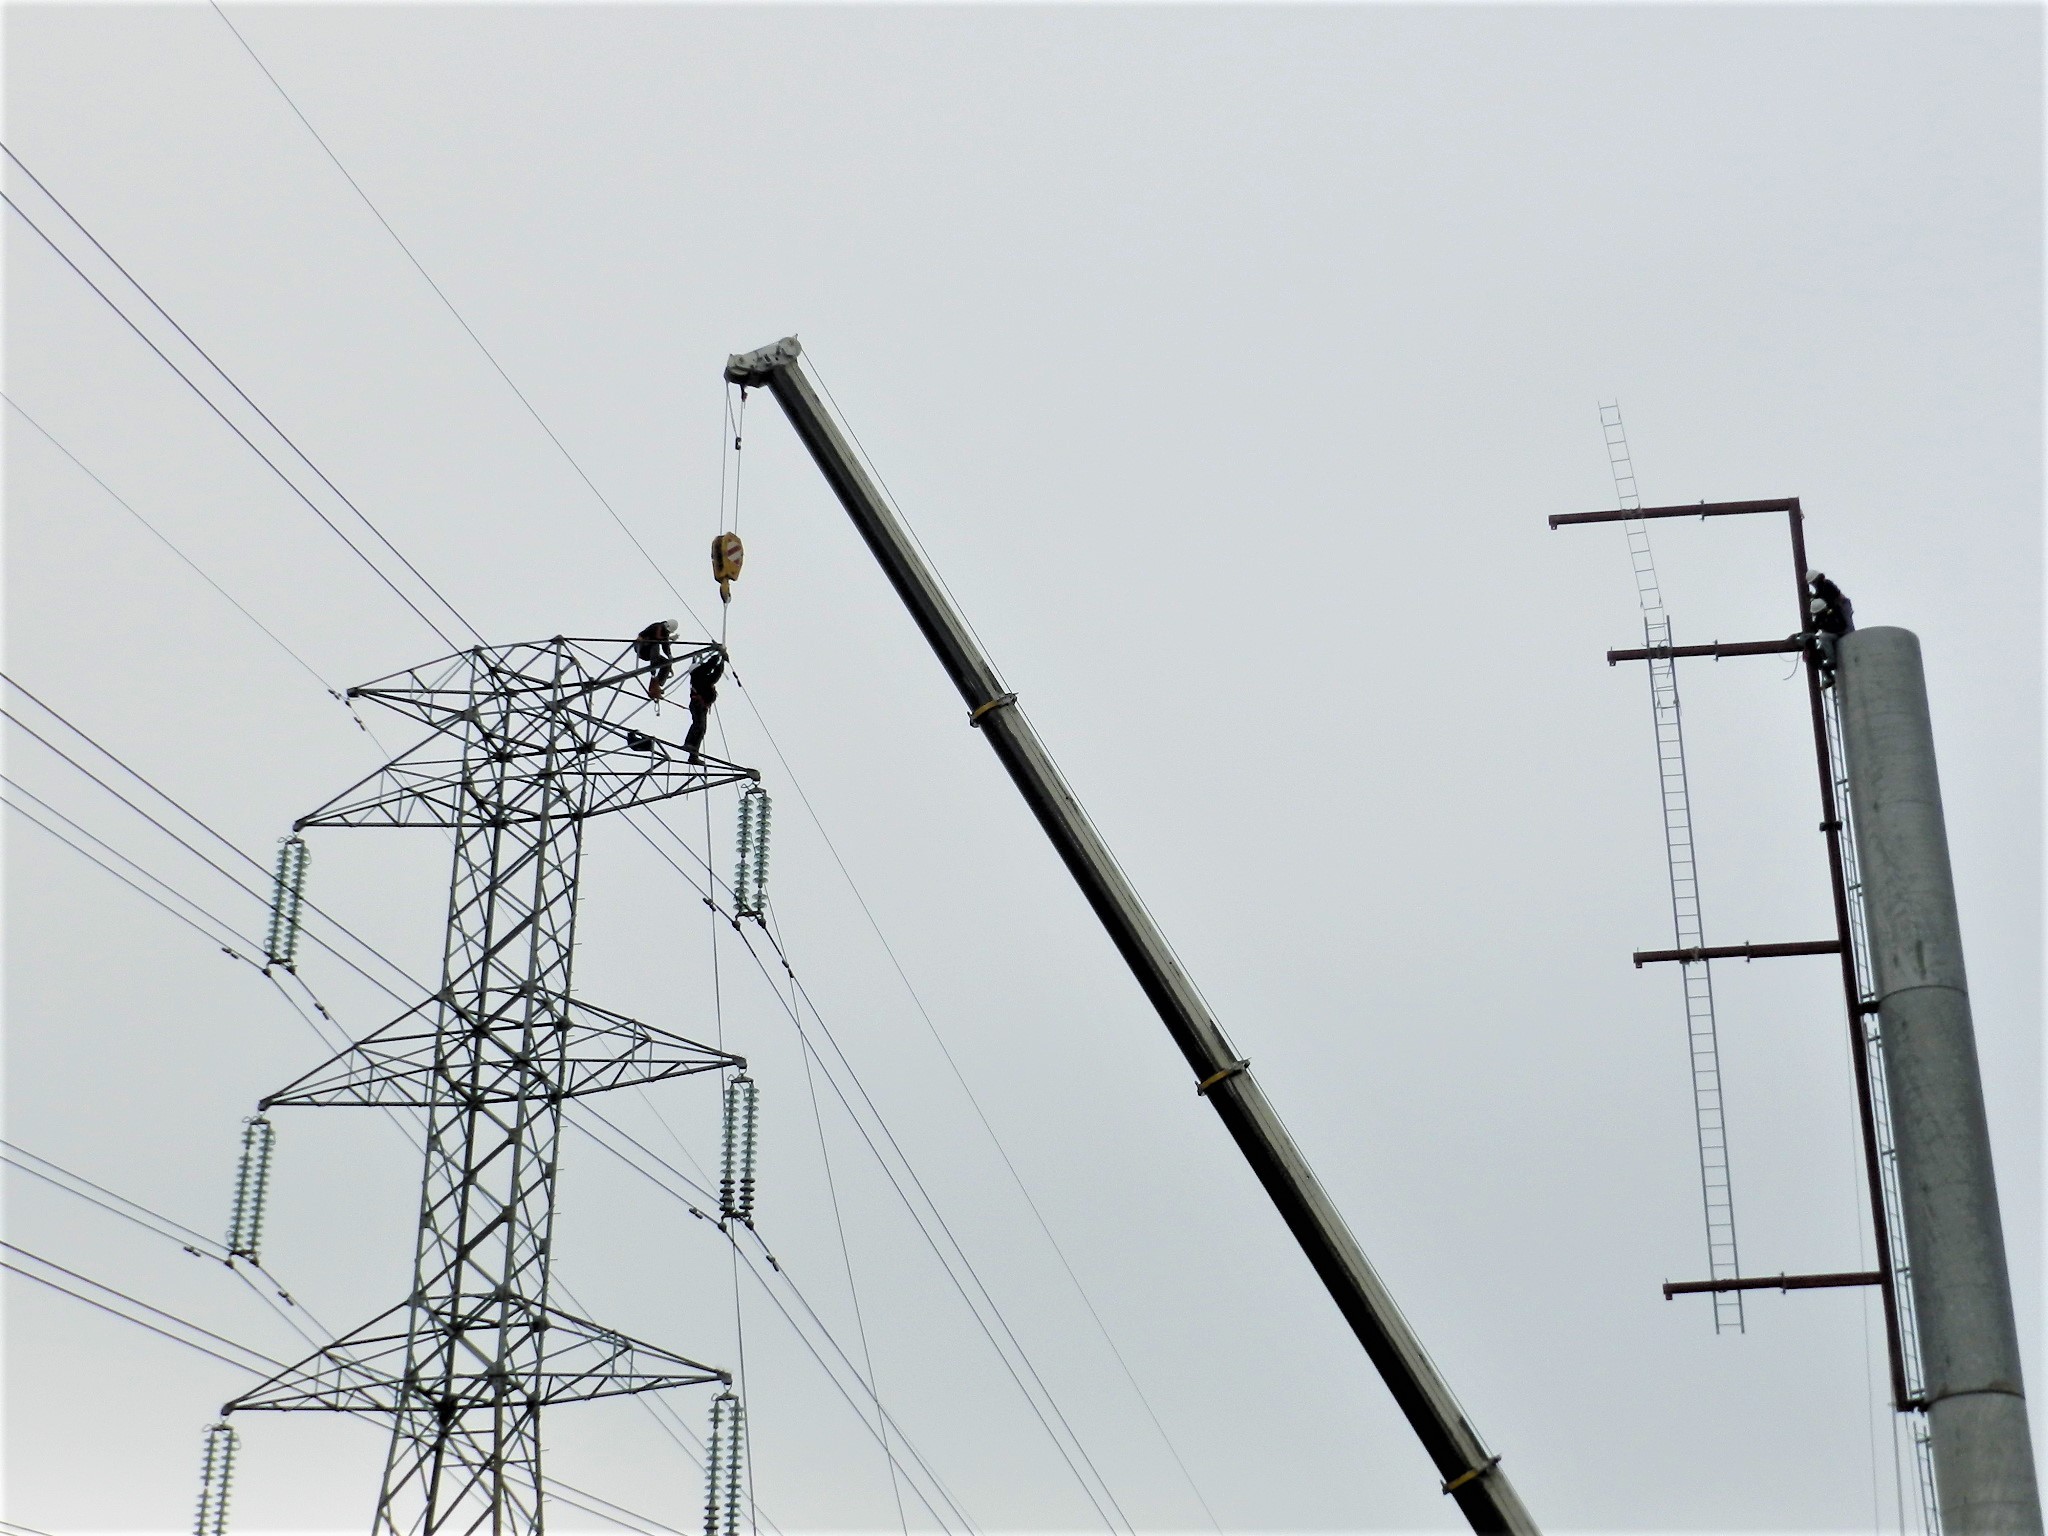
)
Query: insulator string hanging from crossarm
[
  {"x": 724, "y": 1464},
  {"x": 750, "y": 871},
  {"x": 252, "y": 1187},
  {"x": 287, "y": 900},
  {"x": 216, "y": 1473},
  {"x": 736, "y": 1168}
]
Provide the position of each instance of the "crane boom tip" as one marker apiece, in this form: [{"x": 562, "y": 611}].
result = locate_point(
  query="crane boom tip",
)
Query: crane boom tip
[{"x": 753, "y": 368}]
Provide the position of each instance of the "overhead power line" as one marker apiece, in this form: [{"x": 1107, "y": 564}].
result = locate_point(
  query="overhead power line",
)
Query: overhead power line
[
  {"x": 229, "y": 421},
  {"x": 467, "y": 329}
]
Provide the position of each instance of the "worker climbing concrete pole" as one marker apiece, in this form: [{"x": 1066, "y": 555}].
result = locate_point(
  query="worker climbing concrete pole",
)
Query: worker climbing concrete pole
[{"x": 1969, "y": 1345}]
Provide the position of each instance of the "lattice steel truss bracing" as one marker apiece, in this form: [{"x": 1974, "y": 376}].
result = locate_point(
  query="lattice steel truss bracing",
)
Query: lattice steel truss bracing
[
  {"x": 529, "y": 741},
  {"x": 1702, "y": 1034}
]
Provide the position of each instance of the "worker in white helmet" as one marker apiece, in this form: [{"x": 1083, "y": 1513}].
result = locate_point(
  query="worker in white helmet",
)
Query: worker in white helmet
[{"x": 652, "y": 645}]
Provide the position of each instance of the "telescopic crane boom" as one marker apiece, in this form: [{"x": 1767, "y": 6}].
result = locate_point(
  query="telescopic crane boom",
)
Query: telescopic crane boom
[{"x": 1471, "y": 1474}]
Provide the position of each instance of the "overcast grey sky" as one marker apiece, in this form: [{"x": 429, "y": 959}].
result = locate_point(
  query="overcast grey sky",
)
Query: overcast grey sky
[{"x": 1228, "y": 361}]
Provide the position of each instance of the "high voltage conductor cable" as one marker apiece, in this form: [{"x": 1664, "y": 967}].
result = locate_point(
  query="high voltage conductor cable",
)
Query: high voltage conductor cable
[
  {"x": 467, "y": 329},
  {"x": 554, "y": 1487},
  {"x": 190, "y": 1241},
  {"x": 158, "y": 534},
  {"x": 212, "y": 938},
  {"x": 370, "y": 949},
  {"x": 874, "y": 923},
  {"x": 954, "y": 1242},
  {"x": 782, "y": 1274},
  {"x": 183, "y": 1233},
  {"x": 946, "y": 1265},
  {"x": 123, "y": 1296},
  {"x": 852, "y": 1290},
  {"x": 232, "y": 426},
  {"x": 203, "y": 826}
]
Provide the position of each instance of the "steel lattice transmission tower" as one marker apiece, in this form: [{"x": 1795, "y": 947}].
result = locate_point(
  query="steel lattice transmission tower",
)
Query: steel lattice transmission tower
[{"x": 529, "y": 742}]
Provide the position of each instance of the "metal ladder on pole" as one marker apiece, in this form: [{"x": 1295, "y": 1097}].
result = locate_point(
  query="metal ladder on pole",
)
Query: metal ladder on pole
[
  {"x": 1702, "y": 1037},
  {"x": 1881, "y": 1122}
]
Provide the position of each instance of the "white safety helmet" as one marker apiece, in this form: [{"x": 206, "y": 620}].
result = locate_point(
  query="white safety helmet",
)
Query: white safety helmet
[
  {"x": 1814, "y": 576},
  {"x": 673, "y": 626}
]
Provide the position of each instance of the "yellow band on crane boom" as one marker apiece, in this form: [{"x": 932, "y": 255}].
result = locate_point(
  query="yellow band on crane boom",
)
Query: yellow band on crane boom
[{"x": 995, "y": 703}]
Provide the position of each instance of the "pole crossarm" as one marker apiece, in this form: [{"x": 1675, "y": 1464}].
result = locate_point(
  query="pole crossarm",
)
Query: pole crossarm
[
  {"x": 1700, "y": 509},
  {"x": 366, "y": 1371},
  {"x": 1783, "y": 647},
  {"x": 1694, "y": 956},
  {"x": 1773, "y": 1283},
  {"x": 527, "y": 743}
]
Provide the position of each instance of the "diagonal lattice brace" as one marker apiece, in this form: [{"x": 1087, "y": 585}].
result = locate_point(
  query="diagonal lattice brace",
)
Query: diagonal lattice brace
[
  {"x": 366, "y": 1372},
  {"x": 589, "y": 1050}
]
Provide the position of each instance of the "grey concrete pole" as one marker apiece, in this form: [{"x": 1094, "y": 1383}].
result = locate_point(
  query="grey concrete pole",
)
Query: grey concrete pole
[{"x": 1969, "y": 1346}]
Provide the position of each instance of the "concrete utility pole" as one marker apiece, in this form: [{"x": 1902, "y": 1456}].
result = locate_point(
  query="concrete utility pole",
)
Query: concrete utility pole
[{"x": 1969, "y": 1345}]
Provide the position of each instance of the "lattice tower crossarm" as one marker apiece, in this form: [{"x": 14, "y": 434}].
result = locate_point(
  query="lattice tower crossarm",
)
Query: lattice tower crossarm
[{"x": 529, "y": 741}]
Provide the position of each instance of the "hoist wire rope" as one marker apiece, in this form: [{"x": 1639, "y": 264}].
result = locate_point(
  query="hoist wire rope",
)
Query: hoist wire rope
[
  {"x": 159, "y": 535},
  {"x": 467, "y": 329},
  {"x": 944, "y": 1494},
  {"x": 226, "y": 378},
  {"x": 918, "y": 1219},
  {"x": 582, "y": 1112}
]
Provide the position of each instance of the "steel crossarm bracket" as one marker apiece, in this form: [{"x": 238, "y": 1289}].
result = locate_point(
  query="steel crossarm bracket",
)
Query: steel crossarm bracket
[
  {"x": 1785, "y": 647},
  {"x": 1773, "y": 1283},
  {"x": 430, "y": 786},
  {"x": 1645, "y": 957},
  {"x": 364, "y": 1371},
  {"x": 528, "y": 1046}
]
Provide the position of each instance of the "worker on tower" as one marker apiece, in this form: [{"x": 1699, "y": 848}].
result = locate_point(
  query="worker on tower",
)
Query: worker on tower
[
  {"x": 703, "y": 694},
  {"x": 652, "y": 645},
  {"x": 1829, "y": 616}
]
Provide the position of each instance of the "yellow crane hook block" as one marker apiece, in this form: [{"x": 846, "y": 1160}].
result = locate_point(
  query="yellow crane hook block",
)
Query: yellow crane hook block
[{"x": 727, "y": 556}]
